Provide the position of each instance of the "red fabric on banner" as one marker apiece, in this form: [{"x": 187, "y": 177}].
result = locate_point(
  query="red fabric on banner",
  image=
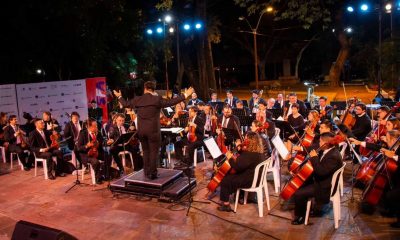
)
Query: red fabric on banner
[{"x": 96, "y": 89}]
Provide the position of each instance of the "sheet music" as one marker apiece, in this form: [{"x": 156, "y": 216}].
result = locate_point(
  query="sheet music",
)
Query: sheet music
[
  {"x": 280, "y": 118},
  {"x": 212, "y": 147},
  {"x": 280, "y": 146},
  {"x": 169, "y": 110},
  {"x": 175, "y": 130}
]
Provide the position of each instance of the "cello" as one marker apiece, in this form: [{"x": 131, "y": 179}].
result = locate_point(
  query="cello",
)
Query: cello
[
  {"x": 384, "y": 170},
  {"x": 191, "y": 132}
]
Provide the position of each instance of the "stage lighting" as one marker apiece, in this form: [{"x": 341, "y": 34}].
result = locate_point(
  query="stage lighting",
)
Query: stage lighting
[
  {"x": 186, "y": 27},
  {"x": 159, "y": 30},
  {"x": 39, "y": 71},
  {"x": 149, "y": 31},
  {"x": 348, "y": 30},
  {"x": 168, "y": 18},
  {"x": 350, "y": 9},
  {"x": 388, "y": 7},
  {"x": 364, "y": 7},
  {"x": 198, "y": 25},
  {"x": 171, "y": 29}
]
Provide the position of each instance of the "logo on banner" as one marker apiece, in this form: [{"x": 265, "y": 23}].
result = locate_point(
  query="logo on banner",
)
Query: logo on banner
[
  {"x": 39, "y": 96},
  {"x": 53, "y": 86},
  {"x": 44, "y": 87},
  {"x": 60, "y": 101},
  {"x": 77, "y": 93},
  {"x": 8, "y": 96},
  {"x": 68, "y": 108},
  {"x": 23, "y": 98},
  {"x": 52, "y": 95},
  {"x": 33, "y": 104}
]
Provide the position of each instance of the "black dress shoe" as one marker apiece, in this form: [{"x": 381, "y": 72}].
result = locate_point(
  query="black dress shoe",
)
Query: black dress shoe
[
  {"x": 298, "y": 221},
  {"x": 61, "y": 174},
  {"x": 51, "y": 176},
  {"x": 27, "y": 168},
  {"x": 99, "y": 181},
  {"x": 225, "y": 208}
]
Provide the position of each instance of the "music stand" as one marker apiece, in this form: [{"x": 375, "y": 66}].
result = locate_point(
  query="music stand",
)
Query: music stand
[
  {"x": 183, "y": 120},
  {"x": 218, "y": 106},
  {"x": 231, "y": 134},
  {"x": 284, "y": 127},
  {"x": 276, "y": 112}
]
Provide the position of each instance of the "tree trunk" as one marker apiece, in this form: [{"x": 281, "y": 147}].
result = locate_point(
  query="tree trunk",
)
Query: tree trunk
[
  {"x": 337, "y": 67},
  {"x": 300, "y": 55}
]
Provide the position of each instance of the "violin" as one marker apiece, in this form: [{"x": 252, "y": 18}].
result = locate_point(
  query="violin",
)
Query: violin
[
  {"x": 191, "y": 133},
  {"x": 221, "y": 140},
  {"x": 93, "y": 151},
  {"x": 54, "y": 139}
]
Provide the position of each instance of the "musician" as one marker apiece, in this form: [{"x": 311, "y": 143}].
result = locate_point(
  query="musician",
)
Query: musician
[
  {"x": 263, "y": 114},
  {"x": 17, "y": 142},
  {"x": 71, "y": 132},
  {"x": 263, "y": 130},
  {"x": 296, "y": 120},
  {"x": 50, "y": 124},
  {"x": 116, "y": 130},
  {"x": 179, "y": 113},
  {"x": 29, "y": 125},
  {"x": 106, "y": 127},
  {"x": 271, "y": 103},
  {"x": 239, "y": 105},
  {"x": 88, "y": 139},
  {"x": 324, "y": 109},
  {"x": 302, "y": 109},
  {"x": 244, "y": 166},
  {"x": 3, "y": 124},
  {"x": 391, "y": 124},
  {"x": 279, "y": 103},
  {"x": 255, "y": 100},
  {"x": 210, "y": 119},
  {"x": 201, "y": 106},
  {"x": 95, "y": 112},
  {"x": 230, "y": 99},
  {"x": 40, "y": 144},
  {"x": 229, "y": 121},
  {"x": 363, "y": 123},
  {"x": 197, "y": 122},
  {"x": 148, "y": 108},
  {"x": 325, "y": 126},
  {"x": 194, "y": 101},
  {"x": 214, "y": 98},
  {"x": 325, "y": 164}
]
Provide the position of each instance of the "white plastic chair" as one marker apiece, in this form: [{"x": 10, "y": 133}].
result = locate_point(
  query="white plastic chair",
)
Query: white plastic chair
[
  {"x": 195, "y": 155},
  {"x": 335, "y": 197},
  {"x": 44, "y": 162},
  {"x": 3, "y": 153},
  {"x": 19, "y": 161},
  {"x": 343, "y": 147},
  {"x": 92, "y": 173},
  {"x": 274, "y": 167},
  {"x": 257, "y": 187},
  {"x": 122, "y": 155},
  {"x": 277, "y": 131}
]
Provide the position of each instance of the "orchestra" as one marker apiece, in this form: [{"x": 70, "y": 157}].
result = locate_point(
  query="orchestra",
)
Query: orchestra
[{"x": 311, "y": 136}]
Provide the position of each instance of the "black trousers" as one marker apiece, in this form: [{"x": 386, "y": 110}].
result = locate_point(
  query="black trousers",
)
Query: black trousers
[
  {"x": 393, "y": 200},
  {"x": 301, "y": 197},
  {"x": 190, "y": 149},
  {"x": 50, "y": 164},
  {"x": 93, "y": 161},
  {"x": 151, "y": 151},
  {"x": 231, "y": 182},
  {"x": 23, "y": 157}
]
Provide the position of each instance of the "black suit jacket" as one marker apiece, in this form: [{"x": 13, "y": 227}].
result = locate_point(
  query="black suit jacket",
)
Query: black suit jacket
[
  {"x": 114, "y": 133},
  {"x": 302, "y": 107},
  {"x": 251, "y": 103},
  {"x": 9, "y": 135},
  {"x": 200, "y": 122},
  {"x": 193, "y": 102},
  {"x": 69, "y": 132},
  {"x": 323, "y": 172},
  {"x": 83, "y": 139},
  {"x": 148, "y": 108},
  {"x": 36, "y": 141},
  {"x": 328, "y": 112},
  {"x": 278, "y": 106},
  {"x": 362, "y": 127},
  {"x": 234, "y": 100},
  {"x": 231, "y": 124}
]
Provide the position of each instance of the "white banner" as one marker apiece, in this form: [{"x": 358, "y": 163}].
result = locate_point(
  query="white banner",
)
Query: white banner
[
  {"x": 8, "y": 99},
  {"x": 57, "y": 97}
]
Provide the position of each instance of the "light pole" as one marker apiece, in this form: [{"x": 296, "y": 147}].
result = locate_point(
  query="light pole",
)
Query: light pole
[{"x": 254, "y": 32}]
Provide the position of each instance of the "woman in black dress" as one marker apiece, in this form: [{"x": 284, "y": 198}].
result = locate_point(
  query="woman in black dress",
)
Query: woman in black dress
[
  {"x": 297, "y": 122},
  {"x": 243, "y": 166}
]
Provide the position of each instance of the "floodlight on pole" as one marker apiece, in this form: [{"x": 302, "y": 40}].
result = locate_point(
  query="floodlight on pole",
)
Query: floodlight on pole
[
  {"x": 171, "y": 29},
  {"x": 186, "y": 27},
  {"x": 159, "y": 30},
  {"x": 388, "y": 7},
  {"x": 350, "y": 9},
  {"x": 149, "y": 31},
  {"x": 198, "y": 25},
  {"x": 39, "y": 71},
  {"x": 364, "y": 7},
  {"x": 168, "y": 18}
]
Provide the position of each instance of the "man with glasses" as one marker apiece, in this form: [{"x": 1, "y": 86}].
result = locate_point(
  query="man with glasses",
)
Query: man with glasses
[{"x": 363, "y": 123}]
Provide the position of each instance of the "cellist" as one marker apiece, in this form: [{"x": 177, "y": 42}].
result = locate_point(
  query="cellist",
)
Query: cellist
[
  {"x": 325, "y": 163},
  {"x": 191, "y": 141}
]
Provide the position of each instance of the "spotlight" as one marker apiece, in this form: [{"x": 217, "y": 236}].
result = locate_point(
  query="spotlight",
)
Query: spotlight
[
  {"x": 149, "y": 31},
  {"x": 388, "y": 7},
  {"x": 159, "y": 30},
  {"x": 198, "y": 25},
  {"x": 186, "y": 27},
  {"x": 350, "y": 9},
  {"x": 270, "y": 9},
  {"x": 171, "y": 29},
  {"x": 364, "y": 7},
  {"x": 349, "y": 30},
  {"x": 39, "y": 71},
  {"x": 168, "y": 18}
]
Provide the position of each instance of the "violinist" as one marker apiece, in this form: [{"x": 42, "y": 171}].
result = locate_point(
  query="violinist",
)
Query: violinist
[
  {"x": 263, "y": 114},
  {"x": 179, "y": 113},
  {"x": 71, "y": 132},
  {"x": 246, "y": 110},
  {"x": 244, "y": 166},
  {"x": 391, "y": 124},
  {"x": 201, "y": 106},
  {"x": 90, "y": 146},
  {"x": 261, "y": 129},
  {"x": 194, "y": 101},
  {"x": 50, "y": 123},
  {"x": 40, "y": 143},
  {"x": 230, "y": 99},
  {"x": 229, "y": 121},
  {"x": 324, "y": 109},
  {"x": 325, "y": 163},
  {"x": 255, "y": 100},
  {"x": 193, "y": 140},
  {"x": 362, "y": 125},
  {"x": 302, "y": 109},
  {"x": 210, "y": 120},
  {"x": 116, "y": 130},
  {"x": 16, "y": 139}
]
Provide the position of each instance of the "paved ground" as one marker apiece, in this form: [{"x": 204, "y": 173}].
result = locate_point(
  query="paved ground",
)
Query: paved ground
[{"x": 89, "y": 214}]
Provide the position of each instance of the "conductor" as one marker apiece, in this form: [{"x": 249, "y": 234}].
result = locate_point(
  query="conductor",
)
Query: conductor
[{"x": 148, "y": 108}]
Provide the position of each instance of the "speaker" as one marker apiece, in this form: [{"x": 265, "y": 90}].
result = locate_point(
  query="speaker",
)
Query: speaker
[{"x": 30, "y": 231}]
